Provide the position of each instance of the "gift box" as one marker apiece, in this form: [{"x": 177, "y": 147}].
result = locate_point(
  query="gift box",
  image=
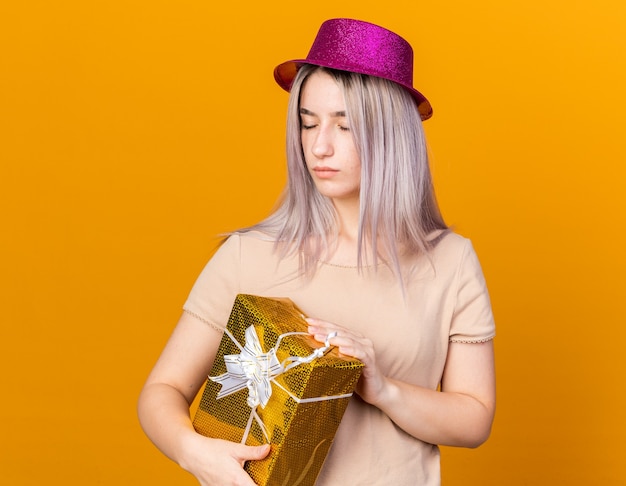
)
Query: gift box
[{"x": 271, "y": 382}]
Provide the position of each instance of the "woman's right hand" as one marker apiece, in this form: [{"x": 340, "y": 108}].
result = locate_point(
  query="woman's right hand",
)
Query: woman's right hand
[
  {"x": 164, "y": 403},
  {"x": 216, "y": 462}
]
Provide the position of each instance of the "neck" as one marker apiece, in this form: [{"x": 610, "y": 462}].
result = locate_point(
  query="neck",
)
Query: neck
[
  {"x": 348, "y": 219},
  {"x": 345, "y": 249}
]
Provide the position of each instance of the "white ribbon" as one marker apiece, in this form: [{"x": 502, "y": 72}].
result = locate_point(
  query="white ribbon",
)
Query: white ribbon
[{"x": 255, "y": 370}]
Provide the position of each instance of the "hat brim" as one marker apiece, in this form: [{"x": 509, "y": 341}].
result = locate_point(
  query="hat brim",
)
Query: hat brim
[{"x": 285, "y": 73}]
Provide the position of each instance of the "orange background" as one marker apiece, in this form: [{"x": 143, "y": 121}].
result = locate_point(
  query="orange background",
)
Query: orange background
[{"x": 132, "y": 132}]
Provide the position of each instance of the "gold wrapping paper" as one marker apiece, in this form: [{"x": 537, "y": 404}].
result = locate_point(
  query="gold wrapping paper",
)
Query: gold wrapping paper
[{"x": 300, "y": 433}]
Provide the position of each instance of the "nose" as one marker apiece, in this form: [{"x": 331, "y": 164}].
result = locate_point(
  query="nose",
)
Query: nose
[{"x": 322, "y": 145}]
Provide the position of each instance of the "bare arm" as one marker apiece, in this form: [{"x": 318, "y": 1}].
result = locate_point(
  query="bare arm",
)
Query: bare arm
[
  {"x": 163, "y": 408},
  {"x": 460, "y": 415}
]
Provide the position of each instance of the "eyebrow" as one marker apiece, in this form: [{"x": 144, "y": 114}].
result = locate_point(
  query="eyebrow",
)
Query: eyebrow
[{"x": 336, "y": 114}]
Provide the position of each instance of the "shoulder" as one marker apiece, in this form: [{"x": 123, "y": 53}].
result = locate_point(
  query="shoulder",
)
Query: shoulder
[
  {"x": 448, "y": 237},
  {"x": 453, "y": 257},
  {"x": 250, "y": 241},
  {"x": 255, "y": 250},
  {"x": 450, "y": 245},
  {"x": 237, "y": 248}
]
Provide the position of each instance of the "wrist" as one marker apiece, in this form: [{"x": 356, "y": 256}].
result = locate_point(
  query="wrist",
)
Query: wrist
[
  {"x": 385, "y": 393},
  {"x": 378, "y": 393},
  {"x": 186, "y": 442}
]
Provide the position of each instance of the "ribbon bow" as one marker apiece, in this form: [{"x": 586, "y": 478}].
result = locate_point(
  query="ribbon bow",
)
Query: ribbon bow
[
  {"x": 252, "y": 368},
  {"x": 255, "y": 370}
]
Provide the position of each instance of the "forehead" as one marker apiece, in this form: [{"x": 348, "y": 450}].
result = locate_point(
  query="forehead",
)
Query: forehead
[{"x": 320, "y": 91}]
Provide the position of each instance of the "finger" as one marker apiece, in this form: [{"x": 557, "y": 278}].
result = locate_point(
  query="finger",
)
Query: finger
[
  {"x": 344, "y": 344},
  {"x": 323, "y": 336},
  {"x": 320, "y": 326},
  {"x": 318, "y": 323},
  {"x": 312, "y": 321},
  {"x": 252, "y": 453},
  {"x": 346, "y": 338}
]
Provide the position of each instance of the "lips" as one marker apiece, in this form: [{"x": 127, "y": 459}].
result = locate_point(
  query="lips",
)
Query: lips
[
  {"x": 324, "y": 169},
  {"x": 325, "y": 172}
]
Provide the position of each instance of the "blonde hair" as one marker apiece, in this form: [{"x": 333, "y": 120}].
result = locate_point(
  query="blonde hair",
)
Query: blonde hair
[{"x": 398, "y": 209}]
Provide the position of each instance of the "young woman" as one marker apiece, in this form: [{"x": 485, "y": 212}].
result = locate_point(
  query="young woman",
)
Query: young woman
[{"x": 358, "y": 242}]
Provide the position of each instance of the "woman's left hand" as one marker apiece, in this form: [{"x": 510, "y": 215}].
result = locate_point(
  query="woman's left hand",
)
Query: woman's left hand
[
  {"x": 372, "y": 383},
  {"x": 460, "y": 414}
]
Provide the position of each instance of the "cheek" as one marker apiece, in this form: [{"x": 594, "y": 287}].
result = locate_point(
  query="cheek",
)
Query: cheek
[
  {"x": 306, "y": 148},
  {"x": 352, "y": 154},
  {"x": 307, "y": 157},
  {"x": 356, "y": 161}
]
